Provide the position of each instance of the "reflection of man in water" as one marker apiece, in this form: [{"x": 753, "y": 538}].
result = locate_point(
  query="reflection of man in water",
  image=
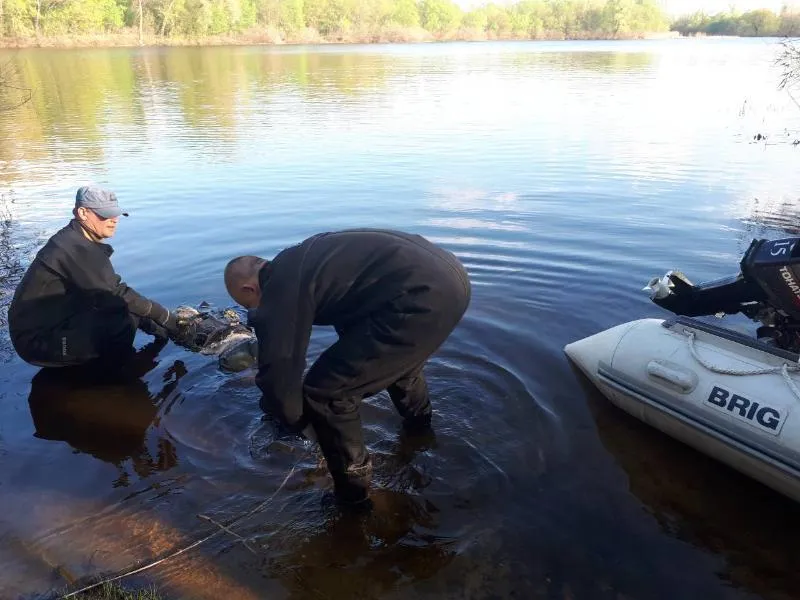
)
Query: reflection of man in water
[
  {"x": 104, "y": 416},
  {"x": 393, "y": 298},
  {"x": 71, "y": 308}
]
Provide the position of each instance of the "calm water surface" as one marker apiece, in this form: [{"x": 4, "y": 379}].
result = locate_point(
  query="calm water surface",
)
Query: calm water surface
[{"x": 563, "y": 174}]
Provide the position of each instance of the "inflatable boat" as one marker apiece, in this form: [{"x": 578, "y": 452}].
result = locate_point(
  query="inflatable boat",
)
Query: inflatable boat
[{"x": 730, "y": 395}]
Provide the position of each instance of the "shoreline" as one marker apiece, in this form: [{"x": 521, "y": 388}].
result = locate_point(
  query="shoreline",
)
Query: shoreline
[{"x": 273, "y": 38}]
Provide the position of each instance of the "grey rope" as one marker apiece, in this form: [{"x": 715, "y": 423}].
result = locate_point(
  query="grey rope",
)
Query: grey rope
[
  {"x": 180, "y": 551},
  {"x": 783, "y": 369}
]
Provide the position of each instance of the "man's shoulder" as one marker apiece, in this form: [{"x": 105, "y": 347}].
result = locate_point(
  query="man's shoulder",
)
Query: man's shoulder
[
  {"x": 69, "y": 241},
  {"x": 355, "y": 231},
  {"x": 58, "y": 240},
  {"x": 66, "y": 236}
]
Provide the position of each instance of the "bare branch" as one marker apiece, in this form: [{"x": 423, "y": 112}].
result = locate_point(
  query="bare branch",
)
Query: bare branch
[
  {"x": 11, "y": 96},
  {"x": 789, "y": 62}
]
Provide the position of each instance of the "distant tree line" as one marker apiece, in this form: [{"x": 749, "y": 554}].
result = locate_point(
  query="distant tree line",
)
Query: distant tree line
[
  {"x": 362, "y": 20},
  {"x": 157, "y": 21},
  {"x": 755, "y": 23}
]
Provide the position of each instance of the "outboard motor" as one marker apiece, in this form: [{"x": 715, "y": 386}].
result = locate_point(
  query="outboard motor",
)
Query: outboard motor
[{"x": 767, "y": 289}]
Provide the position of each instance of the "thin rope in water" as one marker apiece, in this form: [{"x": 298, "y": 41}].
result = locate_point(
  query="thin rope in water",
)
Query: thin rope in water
[
  {"x": 783, "y": 369},
  {"x": 215, "y": 533}
]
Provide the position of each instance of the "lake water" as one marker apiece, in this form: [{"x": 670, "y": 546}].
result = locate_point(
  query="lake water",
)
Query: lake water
[{"x": 564, "y": 175}]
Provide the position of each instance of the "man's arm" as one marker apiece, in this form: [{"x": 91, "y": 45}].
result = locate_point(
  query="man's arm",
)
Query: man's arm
[
  {"x": 138, "y": 304},
  {"x": 81, "y": 271},
  {"x": 283, "y": 328}
]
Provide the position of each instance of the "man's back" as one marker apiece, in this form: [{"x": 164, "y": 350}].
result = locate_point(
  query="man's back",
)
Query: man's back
[
  {"x": 343, "y": 276},
  {"x": 45, "y": 297}
]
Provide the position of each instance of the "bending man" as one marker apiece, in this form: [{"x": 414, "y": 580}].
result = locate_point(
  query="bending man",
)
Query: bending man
[
  {"x": 393, "y": 298},
  {"x": 71, "y": 308}
]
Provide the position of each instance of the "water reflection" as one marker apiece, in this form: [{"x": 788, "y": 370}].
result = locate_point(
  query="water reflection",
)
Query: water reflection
[
  {"x": 766, "y": 217},
  {"x": 364, "y": 557},
  {"x": 563, "y": 181},
  {"x": 106, "y": 418},
  {"x": 703, "y": 502},
  {"x": 84, "y": 101},
  {"x": 401, "y": 541},
  {"x": 12, "y": 253},
  {"x": 603, "y": 62}
]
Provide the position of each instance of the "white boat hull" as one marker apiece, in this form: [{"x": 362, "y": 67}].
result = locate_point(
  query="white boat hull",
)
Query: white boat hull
[{"x": 749, "y": 422}]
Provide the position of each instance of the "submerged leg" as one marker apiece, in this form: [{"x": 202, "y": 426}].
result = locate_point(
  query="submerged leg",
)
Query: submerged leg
[{"x": 410, "y": 397}]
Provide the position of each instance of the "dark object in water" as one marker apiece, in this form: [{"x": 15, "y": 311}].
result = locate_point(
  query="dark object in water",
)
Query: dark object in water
[{"x": 219, "y": 333}]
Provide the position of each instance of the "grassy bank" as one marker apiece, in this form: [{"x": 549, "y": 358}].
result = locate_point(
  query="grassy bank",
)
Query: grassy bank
[{"x": 110, "y": 591}]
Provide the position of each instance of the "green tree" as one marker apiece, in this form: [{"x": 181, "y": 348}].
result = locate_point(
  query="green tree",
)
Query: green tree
[
  {"x": 439, "y": 16},
  {"x": 761, "y": 22},
  {"x": 754, "y": 23},
  {"x": 475, "y": 19},
  {"x": 498, "y": 21},
  {"x": 82, "y": 16},
  {"x": 405, "y": 13},
  {"x": 619, "y": 15},
  {"x": 336, "y": 19}
]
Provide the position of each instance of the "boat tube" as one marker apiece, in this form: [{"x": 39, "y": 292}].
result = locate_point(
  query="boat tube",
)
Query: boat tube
[{"x": 729, "y": 395}]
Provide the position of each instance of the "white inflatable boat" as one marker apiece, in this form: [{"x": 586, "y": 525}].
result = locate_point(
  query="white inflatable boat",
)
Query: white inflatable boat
[{"x": 731, "y": 396}]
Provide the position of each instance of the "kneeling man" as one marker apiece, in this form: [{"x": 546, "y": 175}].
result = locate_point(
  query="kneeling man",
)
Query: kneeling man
[{"x": 71, "y": 308}]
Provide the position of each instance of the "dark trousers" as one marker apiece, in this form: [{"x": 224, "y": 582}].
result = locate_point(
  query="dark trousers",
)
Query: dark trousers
[
  {"x": 386, "y": 351},
  {"x": 102, "y": 338}
]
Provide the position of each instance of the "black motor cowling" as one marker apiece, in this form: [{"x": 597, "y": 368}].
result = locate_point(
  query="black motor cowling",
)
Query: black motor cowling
[
  {"x": 766, "y": 289},
  {"x": 775, "y": 266}
]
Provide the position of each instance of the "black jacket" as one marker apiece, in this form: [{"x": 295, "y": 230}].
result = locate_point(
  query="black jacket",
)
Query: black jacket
[
  {"x": 69, "y": 275},
  {"x": 334, "y": 279}
]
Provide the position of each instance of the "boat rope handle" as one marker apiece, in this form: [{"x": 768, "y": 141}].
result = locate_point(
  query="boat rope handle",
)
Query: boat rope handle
[{"x": 783, "y": 369}]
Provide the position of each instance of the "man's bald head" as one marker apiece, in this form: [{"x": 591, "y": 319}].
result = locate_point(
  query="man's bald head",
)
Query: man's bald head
[{"x": 241, "y": 280}]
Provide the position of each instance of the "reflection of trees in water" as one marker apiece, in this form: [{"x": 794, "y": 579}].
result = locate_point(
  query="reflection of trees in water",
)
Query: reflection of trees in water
[
  {"x": 609, "y": 62},
  {"x": 703, "y": 502},
  {"x": 80, "y": 94},
  {"x": 12, "y": 96}
]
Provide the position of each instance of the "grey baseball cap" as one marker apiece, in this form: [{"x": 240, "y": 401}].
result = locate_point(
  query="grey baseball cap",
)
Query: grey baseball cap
[{"x": 102, "y": 202}]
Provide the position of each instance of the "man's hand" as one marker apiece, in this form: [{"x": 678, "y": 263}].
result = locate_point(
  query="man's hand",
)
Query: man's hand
[
  {"x": 180, "y": 331},
  {"x": 149, "y": 326},
  {"x": 169, "y": 326}
]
